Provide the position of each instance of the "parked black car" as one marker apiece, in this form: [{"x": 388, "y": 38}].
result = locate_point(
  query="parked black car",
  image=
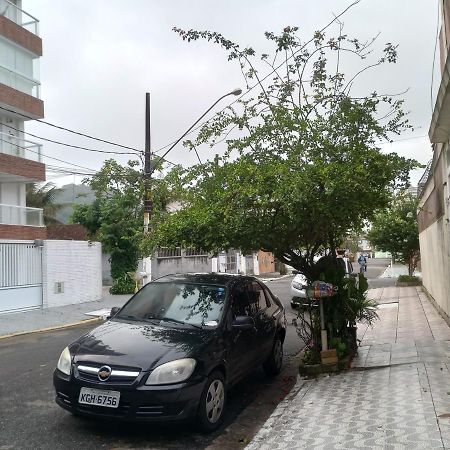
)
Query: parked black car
[{"x": 173, "y": 350}]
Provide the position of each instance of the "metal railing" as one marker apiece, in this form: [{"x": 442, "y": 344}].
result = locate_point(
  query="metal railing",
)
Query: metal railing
[
  {"x": 12, "y": 145},
  {"x": 20, "y": 215},
  {"x": 19, "y": 16},
  {"x": 424, "y": 179},
  {"x": 20, "y": 82}
]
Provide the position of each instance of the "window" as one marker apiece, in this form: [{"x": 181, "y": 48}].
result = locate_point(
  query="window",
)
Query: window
[{"x": 259, "y": 296}]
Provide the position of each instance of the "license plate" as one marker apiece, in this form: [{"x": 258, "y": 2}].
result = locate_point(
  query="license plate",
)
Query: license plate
[{"x": 99, "y": 397}]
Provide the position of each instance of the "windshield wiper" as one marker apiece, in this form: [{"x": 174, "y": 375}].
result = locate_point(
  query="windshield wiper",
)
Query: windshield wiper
[
  {"x": 168, "y": 319},
  {"x": 124, "y": 316}
]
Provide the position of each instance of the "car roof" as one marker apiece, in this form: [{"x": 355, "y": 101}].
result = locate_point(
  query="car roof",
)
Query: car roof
[{"x": 223, "y": 279}]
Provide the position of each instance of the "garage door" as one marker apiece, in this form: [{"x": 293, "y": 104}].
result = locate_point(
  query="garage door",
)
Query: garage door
[{"x": 20, "y": 276}]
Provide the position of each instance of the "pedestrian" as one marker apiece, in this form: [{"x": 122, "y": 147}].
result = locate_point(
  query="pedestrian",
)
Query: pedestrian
[{"x": 362, "y": 261}]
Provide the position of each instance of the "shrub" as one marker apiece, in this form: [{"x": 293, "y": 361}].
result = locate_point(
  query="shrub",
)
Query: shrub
[
  {"x": 123, "y": 285},
  {"x": 408, "y": 279}
]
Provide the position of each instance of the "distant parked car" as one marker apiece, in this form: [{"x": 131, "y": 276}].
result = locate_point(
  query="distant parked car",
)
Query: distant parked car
[
  {"x": 299, "y": 282},
  {"x": 172, "y": 352}
]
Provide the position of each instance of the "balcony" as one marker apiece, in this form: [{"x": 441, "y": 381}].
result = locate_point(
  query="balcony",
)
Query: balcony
[
  {"x": 19, "y": 17},
  {"x": 20, "y": 82},
  {"x": 14, "y": 146},
  {"x": 19, "y": 215}
]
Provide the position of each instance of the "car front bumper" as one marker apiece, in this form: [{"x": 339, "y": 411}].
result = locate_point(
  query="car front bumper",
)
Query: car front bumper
[
  {"x": 176, "y": 402},
  {"x": 299, "y": 293}
]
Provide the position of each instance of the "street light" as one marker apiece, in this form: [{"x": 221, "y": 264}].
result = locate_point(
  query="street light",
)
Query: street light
[
  {"x": 148, "y": 170},
  {"x": 237, "y": 91}
]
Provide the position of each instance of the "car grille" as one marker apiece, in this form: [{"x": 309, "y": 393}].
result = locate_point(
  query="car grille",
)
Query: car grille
[
  {"x": 119, "y": 375},
  {"x": 150, "y": 411},
  {"x": 64, "y": 398},
  {"x": 121, "y": 411}
]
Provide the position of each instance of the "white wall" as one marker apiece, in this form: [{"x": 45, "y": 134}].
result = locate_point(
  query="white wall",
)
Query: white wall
[
  {"x": 78, "y": 266},
  {"x": 435, "y": 258}
]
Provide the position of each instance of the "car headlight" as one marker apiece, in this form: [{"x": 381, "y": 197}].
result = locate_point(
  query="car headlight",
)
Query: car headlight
[
  {"x": 298, "y": 286},
  {"x": 172, "y": 372},
  {"x": 65, "y": 362}
]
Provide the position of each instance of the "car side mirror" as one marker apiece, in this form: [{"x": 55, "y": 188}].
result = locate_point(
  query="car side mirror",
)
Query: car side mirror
[
  {"x": 243, "y": 323},
  {"x": 114, "y": 311}
]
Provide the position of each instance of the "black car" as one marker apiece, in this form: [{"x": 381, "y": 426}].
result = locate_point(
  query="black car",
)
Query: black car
[{"x": 173, "y": 350}]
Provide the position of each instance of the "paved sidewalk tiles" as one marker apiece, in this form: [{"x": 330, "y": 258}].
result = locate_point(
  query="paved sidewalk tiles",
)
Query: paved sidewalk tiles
[{"x": 397, "y": 396}]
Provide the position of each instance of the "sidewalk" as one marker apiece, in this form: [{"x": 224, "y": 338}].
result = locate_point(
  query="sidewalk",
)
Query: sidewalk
[
  {"x": 58, "y": 316},
  {"x": 396, "y": 397}
]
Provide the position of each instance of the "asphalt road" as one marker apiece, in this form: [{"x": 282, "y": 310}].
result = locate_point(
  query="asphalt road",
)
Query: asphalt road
[{"x": 30, "y": 419}]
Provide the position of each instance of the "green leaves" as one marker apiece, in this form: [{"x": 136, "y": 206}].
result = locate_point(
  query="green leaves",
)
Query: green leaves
[
  {"x": 302, "y": 166},
  {"x": 395, "y": 230}
]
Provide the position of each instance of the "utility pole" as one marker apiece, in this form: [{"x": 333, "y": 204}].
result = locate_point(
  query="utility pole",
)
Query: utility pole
[{"x": 147, "y": 166}]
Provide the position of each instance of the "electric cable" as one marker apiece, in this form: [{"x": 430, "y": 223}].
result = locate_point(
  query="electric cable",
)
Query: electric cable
[
  {"x": 45, "y": 156},
  {"x": 70, "y": 145},
  {"x": 265, "y": 77},
  {"x": 72, "y": 131}
]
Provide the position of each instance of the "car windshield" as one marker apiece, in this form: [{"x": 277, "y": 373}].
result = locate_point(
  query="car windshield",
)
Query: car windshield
[{"x": 194, "y": 304}]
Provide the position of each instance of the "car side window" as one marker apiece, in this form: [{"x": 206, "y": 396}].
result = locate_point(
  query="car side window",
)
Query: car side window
[
  {"x": 259, "y": 296},
  {"x": 241, "y": 301}
]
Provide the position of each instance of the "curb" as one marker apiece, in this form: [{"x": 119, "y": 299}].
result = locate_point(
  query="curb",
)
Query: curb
[
  {"x": 57, "y": 327},
  {"x": 264, "y": 280}
]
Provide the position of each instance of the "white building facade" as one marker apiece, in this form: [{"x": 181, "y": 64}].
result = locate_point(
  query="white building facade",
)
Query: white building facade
[{"x": 434, "y": 187}]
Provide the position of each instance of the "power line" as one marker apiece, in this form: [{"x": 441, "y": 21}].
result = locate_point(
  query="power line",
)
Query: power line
[
  {"x": 45, "y": 156},
  {"x": 265, "y": 78},
  {"x": 69, "y": 145},
  {"x": 68, "y": 172},
  {"x": 406, "y": 139},
  {"x": 72, "y": 131}
]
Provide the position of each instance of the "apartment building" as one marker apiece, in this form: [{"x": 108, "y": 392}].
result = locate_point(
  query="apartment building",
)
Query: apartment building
[
  {"x": 20, "y": 159},
  {"x": 34, "y": 272},
  {"x": 434, "y": 187}
]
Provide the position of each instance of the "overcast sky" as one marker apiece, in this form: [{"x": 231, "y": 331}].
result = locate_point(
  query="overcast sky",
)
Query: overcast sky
[{"x": 101, "y": 57}]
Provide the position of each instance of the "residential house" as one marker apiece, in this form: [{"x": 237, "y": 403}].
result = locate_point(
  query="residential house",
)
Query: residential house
[{"x": 434, "y": 187}]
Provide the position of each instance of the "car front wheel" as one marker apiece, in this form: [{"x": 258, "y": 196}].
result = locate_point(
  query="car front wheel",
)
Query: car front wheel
[
  {"x": 274, "y": 362},
  {"x": 212, "y": 403}
]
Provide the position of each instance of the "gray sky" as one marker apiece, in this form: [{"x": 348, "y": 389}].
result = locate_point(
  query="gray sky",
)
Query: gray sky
[{"x": 101, "y": 57}]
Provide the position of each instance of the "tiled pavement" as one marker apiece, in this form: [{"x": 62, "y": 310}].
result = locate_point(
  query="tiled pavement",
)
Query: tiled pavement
[{"x": 396, "y": 397}]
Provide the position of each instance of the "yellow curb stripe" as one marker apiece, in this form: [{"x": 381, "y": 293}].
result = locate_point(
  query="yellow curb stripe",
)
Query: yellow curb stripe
[{"x": 58, "y": 327}]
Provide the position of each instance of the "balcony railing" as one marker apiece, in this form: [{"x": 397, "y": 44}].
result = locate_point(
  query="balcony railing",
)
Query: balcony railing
[
  {"x": 20, "y": 82},
  {"x": 19, "y": 16},
  {"x": 19, "y": 215},
  {"x": 12, "y": 145}
]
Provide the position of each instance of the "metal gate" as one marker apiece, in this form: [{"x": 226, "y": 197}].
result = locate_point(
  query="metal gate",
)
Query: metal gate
[{"x": 20, "y": 276}]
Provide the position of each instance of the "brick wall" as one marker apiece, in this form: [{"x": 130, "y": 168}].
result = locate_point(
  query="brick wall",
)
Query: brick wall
[
  {"x": 22, "y": 167},
  {"x": 21, "y": 102},
  {"x": 19, "y": 232},
  {"x": 75, "y": 264},
  {"x": 74, "y": 232},
  {"x": 21, "y": 36}
]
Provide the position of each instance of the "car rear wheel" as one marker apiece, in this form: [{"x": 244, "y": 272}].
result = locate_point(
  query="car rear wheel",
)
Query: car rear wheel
[
  {"x": 274, "y": 362},
  {"x": 212, "y": 403}
]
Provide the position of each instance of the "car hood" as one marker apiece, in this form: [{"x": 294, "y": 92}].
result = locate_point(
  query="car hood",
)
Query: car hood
[{"x": 138, "y": 345}]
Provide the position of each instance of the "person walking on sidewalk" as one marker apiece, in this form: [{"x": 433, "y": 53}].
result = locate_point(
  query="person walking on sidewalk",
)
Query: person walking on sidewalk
[{"x": 362, "y": 261}]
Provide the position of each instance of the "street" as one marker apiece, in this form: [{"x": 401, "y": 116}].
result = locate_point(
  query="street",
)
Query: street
[{"x": 30, "y": 419}]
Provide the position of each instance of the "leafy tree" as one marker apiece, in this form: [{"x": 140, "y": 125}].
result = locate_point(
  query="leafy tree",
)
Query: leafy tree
[
  {"x": 395, "y": 230},
  {"x": 116, "y": 216},
  {"x": 302, "y": 166},
  {"x": 43, "y": 196}
]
